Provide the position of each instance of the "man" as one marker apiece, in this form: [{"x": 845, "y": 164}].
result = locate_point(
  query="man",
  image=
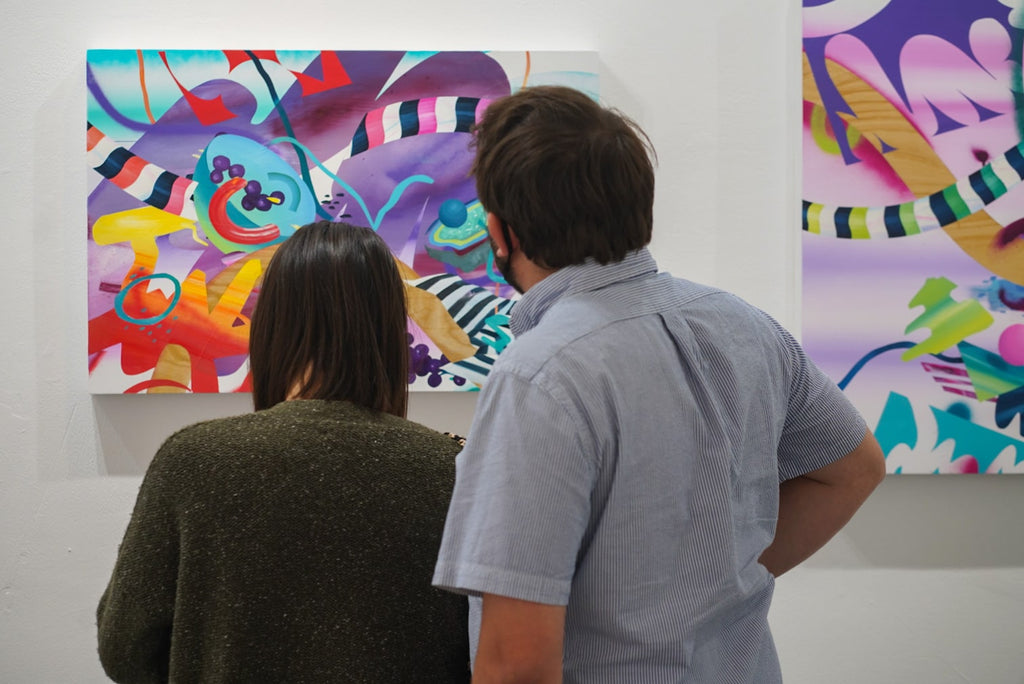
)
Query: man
[{"x": 618, "y": 504}]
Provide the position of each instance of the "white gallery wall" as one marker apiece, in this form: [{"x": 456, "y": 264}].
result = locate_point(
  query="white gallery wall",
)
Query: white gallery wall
[{"x": 926, "y": 585}]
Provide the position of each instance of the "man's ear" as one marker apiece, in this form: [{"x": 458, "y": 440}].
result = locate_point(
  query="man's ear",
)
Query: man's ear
[{"x": 501, "y": 234}]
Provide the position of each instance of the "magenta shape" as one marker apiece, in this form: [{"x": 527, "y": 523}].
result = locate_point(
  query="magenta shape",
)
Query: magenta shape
[{"x": 1011, "y": 344}]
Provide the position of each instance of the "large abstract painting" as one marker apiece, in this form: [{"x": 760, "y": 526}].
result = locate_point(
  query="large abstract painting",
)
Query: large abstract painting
[
  {"x": 202, "y": 162},
  {"x": 913, "y": 219}
]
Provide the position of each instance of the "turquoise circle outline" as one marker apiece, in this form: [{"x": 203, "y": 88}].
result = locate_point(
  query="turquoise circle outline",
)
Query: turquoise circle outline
[{"x": 119, "y": 300}]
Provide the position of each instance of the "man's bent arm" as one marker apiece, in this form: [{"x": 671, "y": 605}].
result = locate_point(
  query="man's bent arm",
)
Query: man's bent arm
[
  {"x": 520, "y": 642},
  {"x": 816, "y": 505}
]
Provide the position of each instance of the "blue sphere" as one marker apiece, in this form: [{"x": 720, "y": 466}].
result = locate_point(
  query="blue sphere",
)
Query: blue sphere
[{"x": 452, "y": 213}]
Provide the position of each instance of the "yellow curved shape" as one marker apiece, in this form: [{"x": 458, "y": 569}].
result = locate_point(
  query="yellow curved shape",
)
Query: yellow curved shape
[
  {"x": 140, "y": 228},
  {"x": 825, "y": 140},
  {"x": 430, "y": 315},
  {"x": 220, "y": 283}
]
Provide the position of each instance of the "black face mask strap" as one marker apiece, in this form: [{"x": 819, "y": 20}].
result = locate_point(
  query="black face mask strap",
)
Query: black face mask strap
[{"x": 508, "y": 237}]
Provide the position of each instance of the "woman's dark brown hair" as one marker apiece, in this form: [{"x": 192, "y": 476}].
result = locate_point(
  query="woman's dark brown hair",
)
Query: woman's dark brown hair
[
  {"x": 331, "y": 321},
  {"x": 573, "y": 179}
]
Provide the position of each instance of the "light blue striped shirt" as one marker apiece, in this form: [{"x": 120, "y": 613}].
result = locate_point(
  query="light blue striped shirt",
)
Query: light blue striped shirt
[{"x": 624, "y": 461}]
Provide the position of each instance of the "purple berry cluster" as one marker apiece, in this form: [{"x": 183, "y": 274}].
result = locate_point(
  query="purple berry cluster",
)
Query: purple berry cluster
[
  {"x": 222, "y": 164},
  {"x": 254, "y": 196},
  {"x": 422, "y": 364}
]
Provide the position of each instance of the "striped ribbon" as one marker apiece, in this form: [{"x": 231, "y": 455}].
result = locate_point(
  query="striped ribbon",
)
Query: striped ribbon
[
  {"x": 449, "y": 114},
  {"x": 141, "y": 179},
  {"x": 952, "y": 203}
]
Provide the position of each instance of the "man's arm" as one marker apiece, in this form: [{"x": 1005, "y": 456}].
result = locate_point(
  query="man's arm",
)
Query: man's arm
[
  {"x": 816, "y": 505},
  {"x": 520, "y": 642}
]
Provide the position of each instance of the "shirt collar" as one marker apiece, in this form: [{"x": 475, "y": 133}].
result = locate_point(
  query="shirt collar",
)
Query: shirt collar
[{"x": 571, "y": 280}]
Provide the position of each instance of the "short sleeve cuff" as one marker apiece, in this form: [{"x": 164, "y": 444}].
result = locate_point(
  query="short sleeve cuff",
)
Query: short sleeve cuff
[{"x": 474, "y": 580}]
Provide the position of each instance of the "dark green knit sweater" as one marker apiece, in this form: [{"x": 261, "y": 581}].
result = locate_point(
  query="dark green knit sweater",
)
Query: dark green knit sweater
[{"x": 295, "y": 544}]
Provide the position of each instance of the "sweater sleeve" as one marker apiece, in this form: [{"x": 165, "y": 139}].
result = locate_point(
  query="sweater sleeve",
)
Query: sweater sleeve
[{"x": 136, "y": 610}]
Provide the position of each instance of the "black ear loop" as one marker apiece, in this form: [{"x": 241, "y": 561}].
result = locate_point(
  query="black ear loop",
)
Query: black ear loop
[{"x": 508, "y": 238}]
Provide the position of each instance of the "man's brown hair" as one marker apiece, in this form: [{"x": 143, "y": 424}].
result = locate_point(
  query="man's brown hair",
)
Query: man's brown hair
[
  {"x": 331, "y": 321},
  {"x": 570, "y": 177}
]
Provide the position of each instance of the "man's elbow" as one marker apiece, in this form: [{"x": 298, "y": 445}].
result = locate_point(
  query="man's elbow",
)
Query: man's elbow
[
  {"x": 866, "y": 468},
  {"x": 875, "y": 464},
  {"x": 854, "y": 476}
]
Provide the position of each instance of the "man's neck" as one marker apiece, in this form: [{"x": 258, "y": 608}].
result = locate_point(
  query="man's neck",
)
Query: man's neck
[{"x": 527, "y": 273}]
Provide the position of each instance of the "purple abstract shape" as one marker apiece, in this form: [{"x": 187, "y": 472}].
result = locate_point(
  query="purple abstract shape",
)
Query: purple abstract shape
[{"x": 888, "y": 31}]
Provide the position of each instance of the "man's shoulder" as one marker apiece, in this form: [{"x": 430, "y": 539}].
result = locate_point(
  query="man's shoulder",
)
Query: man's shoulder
[
  {"x": 561, "y": 328},
  {"x": 585, "y": 317}
]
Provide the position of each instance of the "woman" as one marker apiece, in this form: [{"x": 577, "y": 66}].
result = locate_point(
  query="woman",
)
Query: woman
[{"x": 297, "y": 543}]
